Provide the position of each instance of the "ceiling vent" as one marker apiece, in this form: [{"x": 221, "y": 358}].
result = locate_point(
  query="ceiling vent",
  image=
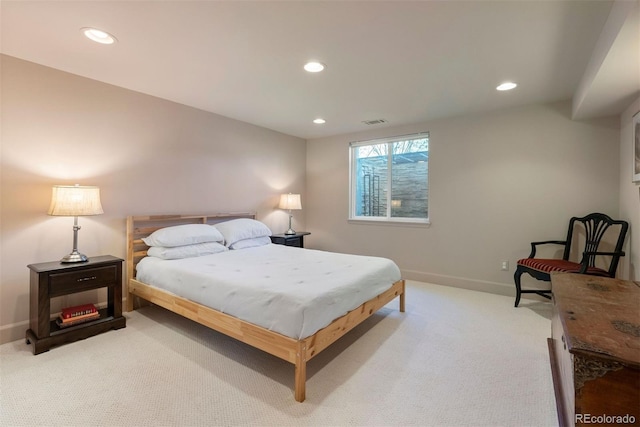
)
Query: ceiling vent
[{"x": 374, "y": 122}]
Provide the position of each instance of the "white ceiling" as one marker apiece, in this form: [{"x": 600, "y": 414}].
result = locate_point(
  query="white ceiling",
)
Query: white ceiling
[{"x": 403, "y": 61}]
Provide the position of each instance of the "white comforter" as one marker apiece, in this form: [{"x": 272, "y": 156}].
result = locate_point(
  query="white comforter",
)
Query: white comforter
[{"x": 293, "y": 291}]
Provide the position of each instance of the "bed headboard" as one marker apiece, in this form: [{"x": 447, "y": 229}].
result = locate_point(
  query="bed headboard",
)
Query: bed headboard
[{"x": 142, "y": 226}]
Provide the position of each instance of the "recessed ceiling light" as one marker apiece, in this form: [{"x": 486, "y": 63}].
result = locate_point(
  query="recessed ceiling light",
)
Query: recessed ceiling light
[
  {"x": 98, "y": 36},
  {"x": 314, "y": 66},
  {"x": 319, "y": 121},
  {"x": 506, "y": 86}
]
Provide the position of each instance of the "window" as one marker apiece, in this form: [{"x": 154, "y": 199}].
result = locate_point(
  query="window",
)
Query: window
[{"x": 389, "y": 179}]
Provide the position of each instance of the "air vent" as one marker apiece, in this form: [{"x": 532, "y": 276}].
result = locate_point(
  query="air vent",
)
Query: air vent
[{"x": 374, "y": 122}]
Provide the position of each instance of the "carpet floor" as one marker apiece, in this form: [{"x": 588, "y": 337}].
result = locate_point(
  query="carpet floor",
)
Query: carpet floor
[{"x": 454, "y": 358}]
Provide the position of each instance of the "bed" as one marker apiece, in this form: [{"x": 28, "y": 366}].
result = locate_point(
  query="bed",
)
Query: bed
[{"x": 298, "y": 319}]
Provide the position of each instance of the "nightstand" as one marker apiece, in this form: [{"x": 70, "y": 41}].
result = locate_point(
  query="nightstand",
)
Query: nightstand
[
  {"x": 295, "y": 240},
  {"x": 54, "y": 279}
]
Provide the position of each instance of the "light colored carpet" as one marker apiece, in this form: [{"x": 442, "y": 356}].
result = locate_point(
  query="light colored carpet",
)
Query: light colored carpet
[{"x": 455, "y": 358}]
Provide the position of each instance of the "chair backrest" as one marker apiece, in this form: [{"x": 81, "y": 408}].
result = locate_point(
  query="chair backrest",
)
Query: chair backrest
[{"x": 595, "y": 227}]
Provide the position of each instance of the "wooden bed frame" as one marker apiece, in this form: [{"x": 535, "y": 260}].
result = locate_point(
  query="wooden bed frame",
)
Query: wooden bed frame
[{"x": 298, "y": 352}]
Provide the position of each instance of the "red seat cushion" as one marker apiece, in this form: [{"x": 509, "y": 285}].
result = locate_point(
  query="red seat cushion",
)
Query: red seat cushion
[{"x": 549, "y": 265}]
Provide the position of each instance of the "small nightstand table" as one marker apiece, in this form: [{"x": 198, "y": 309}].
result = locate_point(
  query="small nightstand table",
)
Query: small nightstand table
[
  {"x": 54, "y": 279},
  {"x": 295, "y": 240}
]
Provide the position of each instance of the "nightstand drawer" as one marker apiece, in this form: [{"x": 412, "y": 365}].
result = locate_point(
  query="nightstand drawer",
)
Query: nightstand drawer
[
  {"x": 77, "y": 281},
  {"x": 296, "y": 240}
]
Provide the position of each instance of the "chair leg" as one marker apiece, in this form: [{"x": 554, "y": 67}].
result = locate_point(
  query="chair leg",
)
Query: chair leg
[
  {"x": 544, "y": 294},
  {"x": 516, "y": 279},
  {"x": 519, "y": 291}
]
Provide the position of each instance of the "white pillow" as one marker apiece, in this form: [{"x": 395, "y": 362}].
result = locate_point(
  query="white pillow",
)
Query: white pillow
[
  {"x": 180, "y": 235},
  {"x": 251, "y": 243},
  {"x": 241, "y": 229},
  {"x": 186, "y": 251}
]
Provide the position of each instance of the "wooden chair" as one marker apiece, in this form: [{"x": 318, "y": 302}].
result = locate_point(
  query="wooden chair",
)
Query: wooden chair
[{"x": 595, "y": 225}]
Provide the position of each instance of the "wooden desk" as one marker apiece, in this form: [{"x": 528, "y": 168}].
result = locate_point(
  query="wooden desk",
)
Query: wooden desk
[{"x": 595, "y": 349}]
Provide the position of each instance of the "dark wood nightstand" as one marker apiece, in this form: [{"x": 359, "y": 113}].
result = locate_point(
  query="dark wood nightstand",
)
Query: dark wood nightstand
[
  {"x": 53, "y": 279},
  {"x": 295, "y": 240}
]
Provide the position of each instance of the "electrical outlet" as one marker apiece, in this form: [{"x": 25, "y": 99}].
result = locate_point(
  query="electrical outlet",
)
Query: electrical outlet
[{"x": 504, "y": 266}]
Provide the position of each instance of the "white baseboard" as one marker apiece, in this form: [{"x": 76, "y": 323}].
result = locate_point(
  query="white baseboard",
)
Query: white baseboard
[
  {"x": 13, "y": 332},
  {"x": 17, "y": 331},
  {"x": 505, "y": 289},
  {"x": 461, "y": 282}
]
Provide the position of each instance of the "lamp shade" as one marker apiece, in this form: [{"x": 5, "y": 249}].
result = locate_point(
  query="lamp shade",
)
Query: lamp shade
[
  {"x": 75, "y": 200},
  {"x": 290, "y": 202}
]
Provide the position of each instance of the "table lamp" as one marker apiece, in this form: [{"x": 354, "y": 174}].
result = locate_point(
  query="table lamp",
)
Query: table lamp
[
  {"x": 289, "y": 202},
  {"x": 75, "y": 201}
]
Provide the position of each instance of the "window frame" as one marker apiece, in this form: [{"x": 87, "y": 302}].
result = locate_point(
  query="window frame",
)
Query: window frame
[{"x": 387, "y": 219}]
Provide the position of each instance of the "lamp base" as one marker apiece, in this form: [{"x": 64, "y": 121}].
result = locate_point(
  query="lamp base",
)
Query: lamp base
[
  {"x": 74, "y": 256},
  {"x": 290, "y": 231}
]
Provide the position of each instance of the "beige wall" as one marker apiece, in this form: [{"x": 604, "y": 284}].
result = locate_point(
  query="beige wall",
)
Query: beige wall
[
  {"x": 147, "y": 155},
  {"x": 629, "y": 194},
  {"x": 497, "y": 182}
]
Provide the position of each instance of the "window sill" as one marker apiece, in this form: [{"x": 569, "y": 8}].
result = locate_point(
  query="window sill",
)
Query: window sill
[{"x": 396, "y": 223}]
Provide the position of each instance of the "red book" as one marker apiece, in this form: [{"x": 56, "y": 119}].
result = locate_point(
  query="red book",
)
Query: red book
[
  {"x": 77, "y": 320},
  {"x": 78, "y": 310}
]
